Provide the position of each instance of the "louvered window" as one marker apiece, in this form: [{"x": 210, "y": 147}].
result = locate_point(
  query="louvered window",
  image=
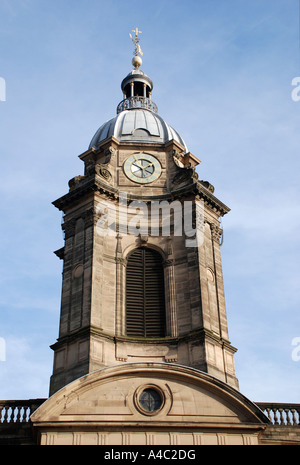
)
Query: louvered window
[{"x": 145, "y": 295}]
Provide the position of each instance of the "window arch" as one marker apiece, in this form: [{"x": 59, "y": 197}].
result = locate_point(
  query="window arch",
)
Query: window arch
[{"x": 145, "y": 294}]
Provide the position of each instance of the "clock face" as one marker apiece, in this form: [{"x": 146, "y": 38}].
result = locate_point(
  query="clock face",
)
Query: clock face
[{"x": 142, "y": 168}]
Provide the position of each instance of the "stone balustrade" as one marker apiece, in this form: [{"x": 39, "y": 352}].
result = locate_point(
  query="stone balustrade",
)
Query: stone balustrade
[
  {"x": 19, "y": 411},
  {"x": 13, "y": 412},
  {"x": 281, "y": 414}
]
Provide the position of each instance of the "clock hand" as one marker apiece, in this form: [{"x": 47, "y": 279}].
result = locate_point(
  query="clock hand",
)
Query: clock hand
[
  {"x": 150, "y": 164},
  {"x": 137, "y": 162}
]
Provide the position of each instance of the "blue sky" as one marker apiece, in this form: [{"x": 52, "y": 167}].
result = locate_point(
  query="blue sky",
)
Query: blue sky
[{"x": 222, "y": 72}]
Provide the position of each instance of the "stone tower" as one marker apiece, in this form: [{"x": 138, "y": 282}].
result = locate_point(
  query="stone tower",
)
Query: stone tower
[{"x": 142, "y": 274}]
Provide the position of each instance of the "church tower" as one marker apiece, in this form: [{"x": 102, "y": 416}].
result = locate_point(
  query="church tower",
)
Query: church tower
[{"x": 142, "y": 275}]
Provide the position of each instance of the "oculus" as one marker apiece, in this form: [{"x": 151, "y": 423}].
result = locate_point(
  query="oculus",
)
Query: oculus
[{"x": 149, "y": 399}]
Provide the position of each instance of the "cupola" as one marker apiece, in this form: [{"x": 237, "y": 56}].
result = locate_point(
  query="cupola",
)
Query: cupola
[{"x": 137, "y": 117}]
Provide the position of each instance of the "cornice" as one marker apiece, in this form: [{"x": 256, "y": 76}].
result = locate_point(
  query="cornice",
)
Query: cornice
[
  {"x": 95, "y": 184},
  {"x": 198, "y": 335}
]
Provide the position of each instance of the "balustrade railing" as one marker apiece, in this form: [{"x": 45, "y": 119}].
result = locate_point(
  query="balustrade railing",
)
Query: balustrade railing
[
  {"x": 281, "y": 414},
  {"x": 137, "y": 102},
  {"x": 17, "y": 411}
]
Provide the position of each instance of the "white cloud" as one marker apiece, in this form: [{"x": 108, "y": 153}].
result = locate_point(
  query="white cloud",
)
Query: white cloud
[
  {"x": 25, "y": 369},
  {"x": 270, "y": 215}
]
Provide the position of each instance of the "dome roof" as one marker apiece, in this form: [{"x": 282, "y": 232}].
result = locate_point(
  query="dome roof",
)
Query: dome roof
[
  {"x": 137, "y": 125},
  {"x": 137, "y": 119}
]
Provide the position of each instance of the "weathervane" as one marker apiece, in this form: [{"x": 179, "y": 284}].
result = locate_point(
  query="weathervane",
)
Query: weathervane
[{"x": 136, "y": 61}]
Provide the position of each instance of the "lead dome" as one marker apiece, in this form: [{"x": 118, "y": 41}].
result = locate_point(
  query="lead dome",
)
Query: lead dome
[{"x": 137, "y": 119}]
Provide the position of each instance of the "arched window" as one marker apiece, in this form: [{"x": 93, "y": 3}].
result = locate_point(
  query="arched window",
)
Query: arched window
[{"x": 145, "y": 294}]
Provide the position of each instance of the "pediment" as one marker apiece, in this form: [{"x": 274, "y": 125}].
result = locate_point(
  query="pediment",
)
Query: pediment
[{"x": 188, "y": 397}]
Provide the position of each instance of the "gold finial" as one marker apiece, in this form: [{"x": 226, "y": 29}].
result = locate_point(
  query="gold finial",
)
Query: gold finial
[
  {"x": 136, "y": 61},
  {"x": 137, "y": 32}
]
